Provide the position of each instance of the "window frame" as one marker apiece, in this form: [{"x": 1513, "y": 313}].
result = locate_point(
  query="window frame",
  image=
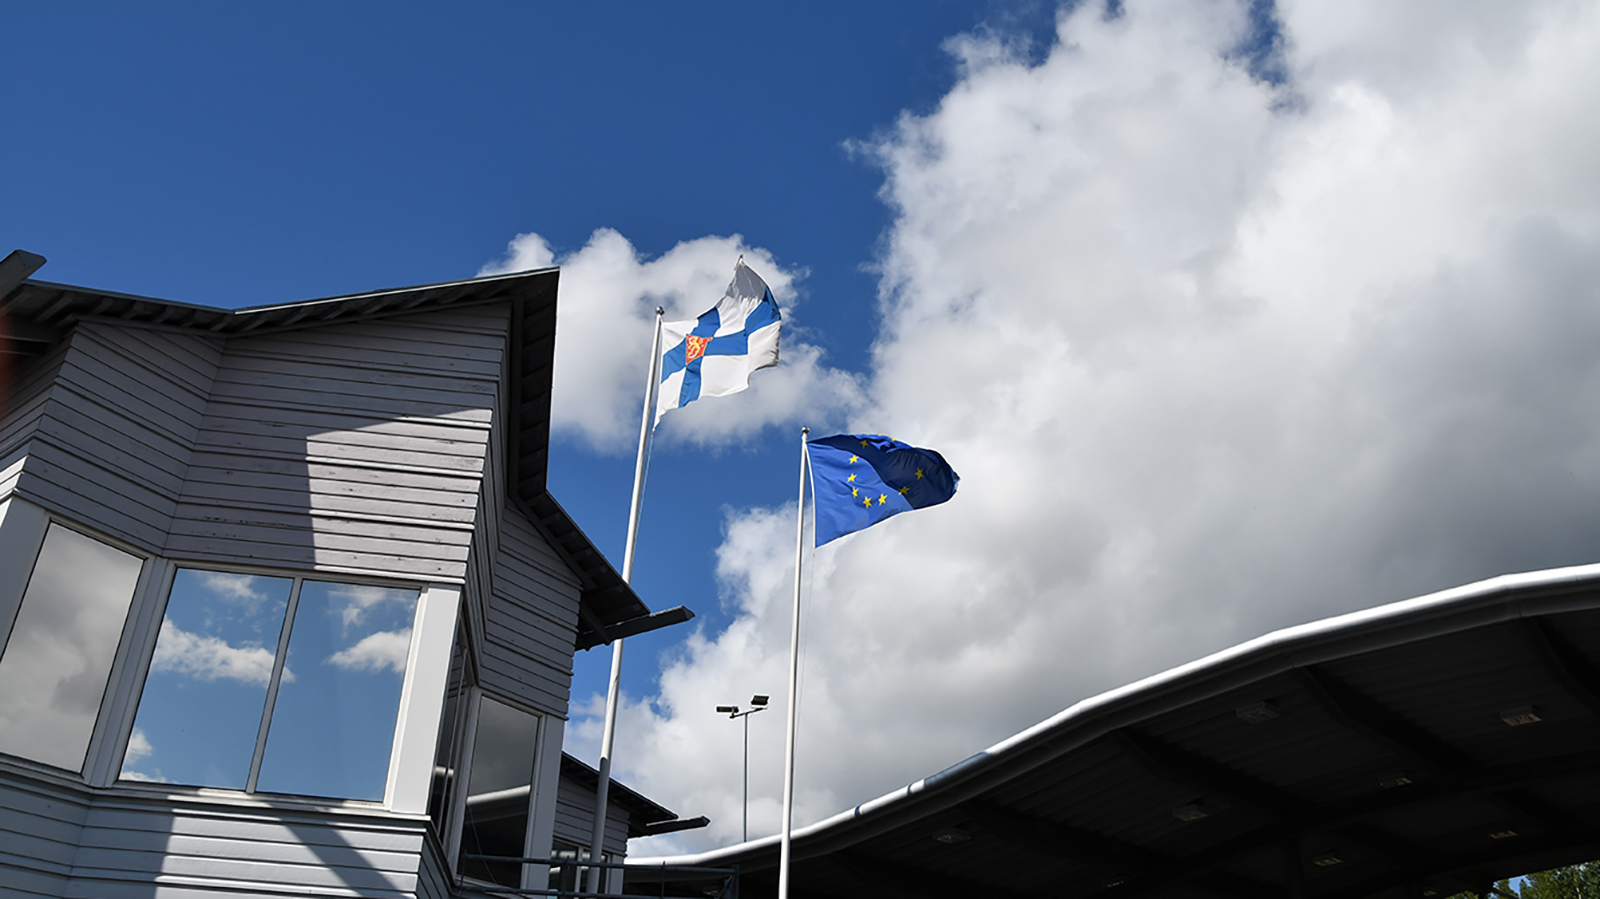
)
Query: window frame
[
  {"x": 445, "y": 599},
  {"x": 545, "y": 784},
  {"x": 22, "y": 515}
]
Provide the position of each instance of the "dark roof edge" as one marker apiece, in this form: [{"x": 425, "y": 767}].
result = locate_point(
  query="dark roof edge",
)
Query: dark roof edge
[
  {"x": 1506, "y": 597},
  {"x": 53, "y": 305},
  {"x": 295, "y": 304},
  {"x": 644, "y": 810}
]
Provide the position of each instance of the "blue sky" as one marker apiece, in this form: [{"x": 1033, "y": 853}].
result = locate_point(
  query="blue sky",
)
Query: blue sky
[
  {"x": 1231, "y": 314},
  {"x": 243, "y": 154}
]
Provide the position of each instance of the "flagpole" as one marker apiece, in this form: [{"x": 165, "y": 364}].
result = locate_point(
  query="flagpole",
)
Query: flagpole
[
  {"x": 614, "y": 691},
  {"x": 794, "y": 677}
]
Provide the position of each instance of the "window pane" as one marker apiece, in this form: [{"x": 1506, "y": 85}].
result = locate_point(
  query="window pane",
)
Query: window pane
[
  {"x": 201, "y": 707},
  {"x": 499, "y": 785},
  {"x": 54, "y": 668},
  {"x": 333, "y": 725},
  {"x": 446, "y": 755}
]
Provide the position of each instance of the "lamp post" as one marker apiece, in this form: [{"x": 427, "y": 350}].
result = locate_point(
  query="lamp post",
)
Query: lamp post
[{"x": 758, "y": 703}]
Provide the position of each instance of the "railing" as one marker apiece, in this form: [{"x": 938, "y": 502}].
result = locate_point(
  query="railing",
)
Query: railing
[{"x": 729, "y": 878}]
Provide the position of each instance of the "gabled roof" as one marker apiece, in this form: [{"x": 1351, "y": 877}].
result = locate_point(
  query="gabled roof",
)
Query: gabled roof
[
  {"x": 37, "y": 314},
  {"x": 1414, "y": 749}
]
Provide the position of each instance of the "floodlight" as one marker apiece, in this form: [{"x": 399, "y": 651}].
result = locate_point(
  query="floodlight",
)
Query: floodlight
[
  {"x": 759, "y": 700},
  {"x": 1257, "y": 712},
  {"x": 728, "y": 709},
  {"x": 1520, "y": 716},
  {"x": 1190, "y": 812}
]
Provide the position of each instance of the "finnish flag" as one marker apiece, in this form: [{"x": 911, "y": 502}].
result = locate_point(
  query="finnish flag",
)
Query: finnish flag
[{"x": 714, "y": 354}]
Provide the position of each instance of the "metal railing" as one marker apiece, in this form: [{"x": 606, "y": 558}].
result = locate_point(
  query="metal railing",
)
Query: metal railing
[{"x": 729, "y": 878}]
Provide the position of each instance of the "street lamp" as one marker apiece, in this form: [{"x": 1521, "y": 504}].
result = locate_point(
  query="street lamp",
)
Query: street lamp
[{"x": 758, "y": 703}]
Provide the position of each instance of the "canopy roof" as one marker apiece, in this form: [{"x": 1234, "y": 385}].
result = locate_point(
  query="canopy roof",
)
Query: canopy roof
[
  {"x": 1414, "y": 749},
  {"x": 34, "y": 315}
]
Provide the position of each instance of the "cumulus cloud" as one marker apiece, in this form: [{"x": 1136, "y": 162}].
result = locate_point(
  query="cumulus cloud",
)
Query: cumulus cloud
[
  {"x": 139, "y": 749},
  {"x": 211, "y": 658},
  {"x": 240, "y": 589},
  {"x": 1212, "y": 354},
  {"x": 354, "y": 602},
  {"x": 609, "y": 294},
  {"x": 384, "y": 650}
]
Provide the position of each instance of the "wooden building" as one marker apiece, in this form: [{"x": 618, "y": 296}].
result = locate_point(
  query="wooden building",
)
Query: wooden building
[{"x": 285, "y": 606}]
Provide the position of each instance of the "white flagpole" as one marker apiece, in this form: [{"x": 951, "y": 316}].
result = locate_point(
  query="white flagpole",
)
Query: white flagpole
[
  {"x": 794, "y": 675},
  {"x": 613, "y": 693}
]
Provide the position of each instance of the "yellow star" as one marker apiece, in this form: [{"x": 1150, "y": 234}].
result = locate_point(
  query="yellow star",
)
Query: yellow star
[
  {"x": 853, "y": 459},
  {"x": 883, "y": 498},
  {"x": 866, "y": 501},
  {"x": 863, "y": 443},
  {"x": 851, "y": 478},
  {"x": 919, "y": 472},
  {"x": 903, "y": 490},
  {"x": 855, "y": 491}
]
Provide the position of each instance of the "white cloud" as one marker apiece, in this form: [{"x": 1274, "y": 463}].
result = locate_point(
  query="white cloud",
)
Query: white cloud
[
  {"x": 211, "y": 658},
  {"x": 1211, "y": 355},
  {"x": 376, "y": 652},
  {"x": 138, "y": 747},
  {"x": 353, "y": 602},
  {"x": 608, "y": 299},
  {"x": 242, "y": 589}
]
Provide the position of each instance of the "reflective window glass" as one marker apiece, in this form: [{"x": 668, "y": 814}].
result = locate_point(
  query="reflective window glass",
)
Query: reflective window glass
[
  {"x": 333, "y": 724},
  {"x": 201, "y": 707},
  {"x": 446, "y": 755},
  {"x": 54, "y": 667},
  {"x": 499, "y": 785}
]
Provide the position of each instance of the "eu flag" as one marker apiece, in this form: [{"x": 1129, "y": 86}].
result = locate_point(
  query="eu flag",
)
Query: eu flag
[{"x": 859, "y": 480}]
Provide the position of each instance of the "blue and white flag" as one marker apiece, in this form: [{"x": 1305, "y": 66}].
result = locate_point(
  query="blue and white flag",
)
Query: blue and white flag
[{"x": 714, "y": 354}]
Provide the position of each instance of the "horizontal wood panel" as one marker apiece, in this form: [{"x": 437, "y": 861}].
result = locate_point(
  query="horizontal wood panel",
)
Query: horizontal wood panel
[
  {"x": 212, "y": 550},
  {"x": 290, "y": 397}
]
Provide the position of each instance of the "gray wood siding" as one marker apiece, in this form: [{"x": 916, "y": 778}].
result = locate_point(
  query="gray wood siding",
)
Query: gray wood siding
[
  {"x": 357, "y": 447},
  {"x": 110, "y": 445},
  {"x": 575, "y": 819},
  {"x": 40, "y": 826},
  {"x": 522, "y": 597},
  {"x": 433, "y": 876},
  {"x": 199, "y": 848},
  {"x": 26, "y": 404},
  {"x": 530, "y": 619}
]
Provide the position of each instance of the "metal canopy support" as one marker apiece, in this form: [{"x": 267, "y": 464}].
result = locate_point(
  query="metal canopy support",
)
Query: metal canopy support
[
  {"x": 1363, "y": 715},
  {"x": 1339, "y": 815},
  {"x": 1294, "y": 869},
  {"x": 1565, "y": 666},
  {"x": 1060, "y": 841},
  {"x": 1204, "y": 776}
]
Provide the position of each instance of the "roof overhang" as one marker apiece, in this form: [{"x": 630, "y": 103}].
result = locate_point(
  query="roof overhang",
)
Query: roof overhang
[{"x": 1418, "y": 748}]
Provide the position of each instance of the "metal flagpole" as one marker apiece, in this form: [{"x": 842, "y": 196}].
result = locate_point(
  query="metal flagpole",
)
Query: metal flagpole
[
  {"x": 794, "y": 676},
  {"x": 613, "y": 693}
]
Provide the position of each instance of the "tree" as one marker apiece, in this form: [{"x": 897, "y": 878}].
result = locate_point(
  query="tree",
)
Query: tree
[{"x": 1573, "y": 882}]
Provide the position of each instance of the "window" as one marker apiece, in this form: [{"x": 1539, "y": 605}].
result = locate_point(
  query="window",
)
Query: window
[
  {"x": 56, "y": 663},
  {"x": 279, "y": 684},
  {"x": 499, "y": 789},
  {"x": 452, "y": 729},
  {"x": 201, "y": 709}
]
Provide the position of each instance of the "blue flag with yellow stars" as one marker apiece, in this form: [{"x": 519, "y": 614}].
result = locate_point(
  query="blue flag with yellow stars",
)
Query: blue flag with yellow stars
[{"x": 859, "y": 480}]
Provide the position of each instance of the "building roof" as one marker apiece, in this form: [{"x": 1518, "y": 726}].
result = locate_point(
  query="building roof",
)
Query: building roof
[
  {"x": 34, "y": 315},
  {"x": 642, "y": 811},
  {"x": 1414, "y": 749}
]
